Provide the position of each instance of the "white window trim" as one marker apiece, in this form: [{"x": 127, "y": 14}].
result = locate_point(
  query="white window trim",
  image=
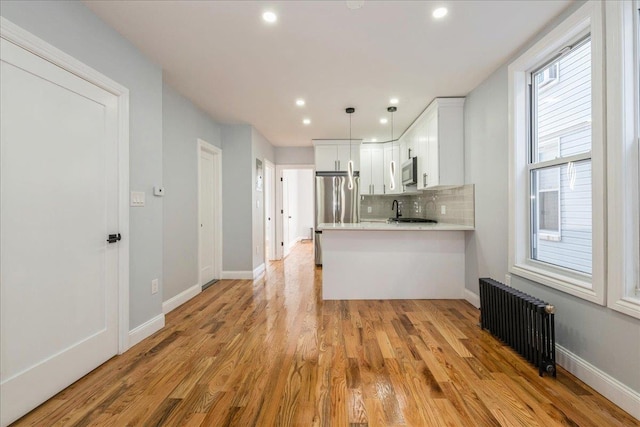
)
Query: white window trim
[
  {"x": 587, "y": 19},
  {"x": 623, "y": 157}
]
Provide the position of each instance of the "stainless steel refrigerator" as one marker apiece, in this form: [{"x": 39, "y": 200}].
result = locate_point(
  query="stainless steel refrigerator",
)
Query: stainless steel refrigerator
[{"x": 335, "y": 203}]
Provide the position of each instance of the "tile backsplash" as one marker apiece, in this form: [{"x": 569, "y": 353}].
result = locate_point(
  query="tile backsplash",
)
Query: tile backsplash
[{"x": 458, "y": 203}]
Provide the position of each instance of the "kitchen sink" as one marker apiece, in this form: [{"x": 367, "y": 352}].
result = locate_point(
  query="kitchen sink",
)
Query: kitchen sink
[{"x": 408, "y": 219}]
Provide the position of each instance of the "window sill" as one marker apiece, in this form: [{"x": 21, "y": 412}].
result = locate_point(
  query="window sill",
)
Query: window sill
[
  {"x": 628, "y": 306},
  {"x": 576, "y": 286}
]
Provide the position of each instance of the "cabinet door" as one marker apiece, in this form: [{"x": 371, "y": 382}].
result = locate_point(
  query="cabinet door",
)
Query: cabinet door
[
  {"x": 346, "y": 153},
  {"x": 366, "y": 171},
  {"x": 326, "y": 158},
  {"x": 377, "y": 169},
  {"x": 422, "y": 151},
  {"x": 392, "y": 153},
  {"x": 433, "y": 168}
]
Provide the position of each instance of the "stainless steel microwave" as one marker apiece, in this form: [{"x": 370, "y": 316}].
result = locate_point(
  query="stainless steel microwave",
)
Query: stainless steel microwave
[{"x": 410, "y": 171}]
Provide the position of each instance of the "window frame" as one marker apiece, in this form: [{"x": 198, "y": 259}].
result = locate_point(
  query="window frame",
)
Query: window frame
[
  {"x": 588, "y": 19},
  {"x": 623, "y": 152}
]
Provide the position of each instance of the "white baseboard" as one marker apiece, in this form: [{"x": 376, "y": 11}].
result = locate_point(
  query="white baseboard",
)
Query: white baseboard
[
  {"x": 145, "y": 330},
  {"x": 258, "y": 271},
  {"x": 181, "y": 298},
  {"x": 603, "y": 383},
  {"x": 472, "y": 298},
  {"x": 237, "y": 275}
]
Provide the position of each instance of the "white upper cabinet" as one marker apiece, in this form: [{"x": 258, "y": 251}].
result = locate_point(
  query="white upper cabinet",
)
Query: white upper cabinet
[
  {"x": 371, "y": 164},
  {"x": 438, "y": 138},
  {"x": 334, "y": 155},
  {"x": 392, "y": 153}
]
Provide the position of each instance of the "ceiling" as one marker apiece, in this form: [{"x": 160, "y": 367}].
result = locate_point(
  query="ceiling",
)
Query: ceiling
[{"x": 228, "y": 61}]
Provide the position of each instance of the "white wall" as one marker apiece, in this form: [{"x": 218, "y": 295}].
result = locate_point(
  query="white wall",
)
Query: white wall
[
  {"x": 261, "y": 150},
  {"x": 73, "y": 28},
  {"x": 600, "y": 336},
  {"x": 294, "y": 155},
  {"x": 182, "y": 125},
  {"x": 237, "y": 220},
  {"x": 306, "y": 190}
]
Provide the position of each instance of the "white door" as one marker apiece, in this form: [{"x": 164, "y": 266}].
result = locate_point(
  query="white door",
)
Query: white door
[
  {"x": 269, "y": 220},
  {"x": 207, "y": 236},
  {"x": 58, "y": 203},
  {"x": 286, "y": 216}
]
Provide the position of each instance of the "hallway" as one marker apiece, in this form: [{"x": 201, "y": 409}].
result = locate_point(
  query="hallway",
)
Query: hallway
[{"x": 272, "y": 353}]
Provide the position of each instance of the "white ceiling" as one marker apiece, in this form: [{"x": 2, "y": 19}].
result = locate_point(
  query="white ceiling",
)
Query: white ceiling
[{"x": 229, "y": 62}]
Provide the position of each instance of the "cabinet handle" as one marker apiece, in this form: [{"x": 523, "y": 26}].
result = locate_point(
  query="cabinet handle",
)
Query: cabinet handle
[
  {"x": 425, "y": 181},
  {"x": 384, "y": 188},
  {"x": 335, "y": 165}
]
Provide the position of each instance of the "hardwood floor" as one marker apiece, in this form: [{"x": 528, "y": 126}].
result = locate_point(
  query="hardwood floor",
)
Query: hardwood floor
[{"x": 272, "y": 353}]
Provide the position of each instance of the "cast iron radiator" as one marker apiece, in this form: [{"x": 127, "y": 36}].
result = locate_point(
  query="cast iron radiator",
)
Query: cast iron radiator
[{"x": 521, "y": 321}]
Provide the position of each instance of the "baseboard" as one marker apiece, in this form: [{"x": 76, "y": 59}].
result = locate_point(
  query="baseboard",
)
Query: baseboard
[
  {"x": 181, "y": 298},
  {"x": 603, "y": 383},
  {"x": 258, "y": 271},
  {"x": 145, "y": 330},
  {"x": 237, "y": 275},
  {"x": 472, "y": 298}
]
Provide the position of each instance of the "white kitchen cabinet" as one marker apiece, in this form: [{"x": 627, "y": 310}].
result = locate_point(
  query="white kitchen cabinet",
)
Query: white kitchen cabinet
[
  {"x": 334, "y": 155},
  {"x": 392, "y": 152},
  {"x": 371, "y": 173},
  {"x": 439, "y": 135}
]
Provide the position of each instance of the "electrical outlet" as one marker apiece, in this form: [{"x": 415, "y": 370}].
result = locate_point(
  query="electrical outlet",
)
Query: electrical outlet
[
  {"x": 154, "y": 286},
  {"x": 443, "y": 210},
  {"x": 507, "y": 279},
  {"x": 369, "y": 209}
]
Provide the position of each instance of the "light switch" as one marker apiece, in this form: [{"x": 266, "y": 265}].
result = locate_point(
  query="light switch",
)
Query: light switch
[
  {"x": 137, "y": 199},
  {"x": 443, "y": 210}
]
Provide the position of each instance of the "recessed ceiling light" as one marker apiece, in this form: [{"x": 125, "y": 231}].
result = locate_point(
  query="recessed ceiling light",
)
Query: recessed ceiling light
[
  {"x": 393, "y": 101},
  {"x": 270, "y": 17},
  {"x": 306, "y": 121},
  {"x": 355, "y": 4},
  {"x": 300, "y": 102},
  {"x": 374, "y": 139},
  {"x": 383, "y": 121},
  {"x": 440, "y": 12}
]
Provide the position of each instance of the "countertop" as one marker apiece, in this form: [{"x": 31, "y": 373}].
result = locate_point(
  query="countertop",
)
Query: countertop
[{"x": 384, "y": 226}]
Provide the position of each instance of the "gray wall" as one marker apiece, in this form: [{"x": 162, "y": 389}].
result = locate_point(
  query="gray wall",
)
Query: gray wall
[
  {"x": 262, "y": 150},
  {"x": 602, "y": 337},
  {"x": 182, "y": 125},
  {"x": 74, "y": 29},
  {"x": 237, "y": 220},
  {"x": 294, "y": 156}
]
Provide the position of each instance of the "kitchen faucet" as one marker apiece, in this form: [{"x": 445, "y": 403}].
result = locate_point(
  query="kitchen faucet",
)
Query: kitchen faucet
[{"x": 397, "y": 208}]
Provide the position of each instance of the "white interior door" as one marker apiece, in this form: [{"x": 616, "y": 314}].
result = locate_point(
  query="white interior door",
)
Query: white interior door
[
  {"x": 285, "y": 214},
  {"x": 207, "y": 229},
  {"x": 269, "y": 204},
  {"x": 58, "y": 202}
]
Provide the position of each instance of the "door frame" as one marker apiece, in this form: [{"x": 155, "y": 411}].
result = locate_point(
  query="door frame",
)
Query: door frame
[
  {"x": 24, "y": 39},
  {"x": 270, "y": 168},
  {"x": 217, "y": 207},
  {"x": 279, "y": 202}
]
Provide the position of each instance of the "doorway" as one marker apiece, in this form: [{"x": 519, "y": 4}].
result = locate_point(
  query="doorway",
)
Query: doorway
[
  {"x": 209, "y": 213},
  {"x": 269, "y": 210},
  {"x": 63, "y": 221},
  {"x": 295, "y": 201}
]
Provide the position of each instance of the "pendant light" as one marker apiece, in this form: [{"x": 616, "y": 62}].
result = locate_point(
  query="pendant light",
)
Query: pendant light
[
  {"x": 392, "y": 163},
  {"x": 350, "y": 111}
]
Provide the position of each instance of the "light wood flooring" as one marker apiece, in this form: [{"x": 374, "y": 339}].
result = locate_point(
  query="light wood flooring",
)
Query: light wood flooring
[{"x": 272, "y": 353}]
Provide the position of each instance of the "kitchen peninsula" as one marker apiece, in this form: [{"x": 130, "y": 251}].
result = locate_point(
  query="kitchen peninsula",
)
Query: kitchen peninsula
[{"x": 378, "y": 260}]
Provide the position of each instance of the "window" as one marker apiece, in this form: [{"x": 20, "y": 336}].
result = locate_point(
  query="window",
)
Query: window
[
  {"x": 560, "y": 164},
  {"x": 623, "y": 153},
  {"x": 556, "y": 126}
]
